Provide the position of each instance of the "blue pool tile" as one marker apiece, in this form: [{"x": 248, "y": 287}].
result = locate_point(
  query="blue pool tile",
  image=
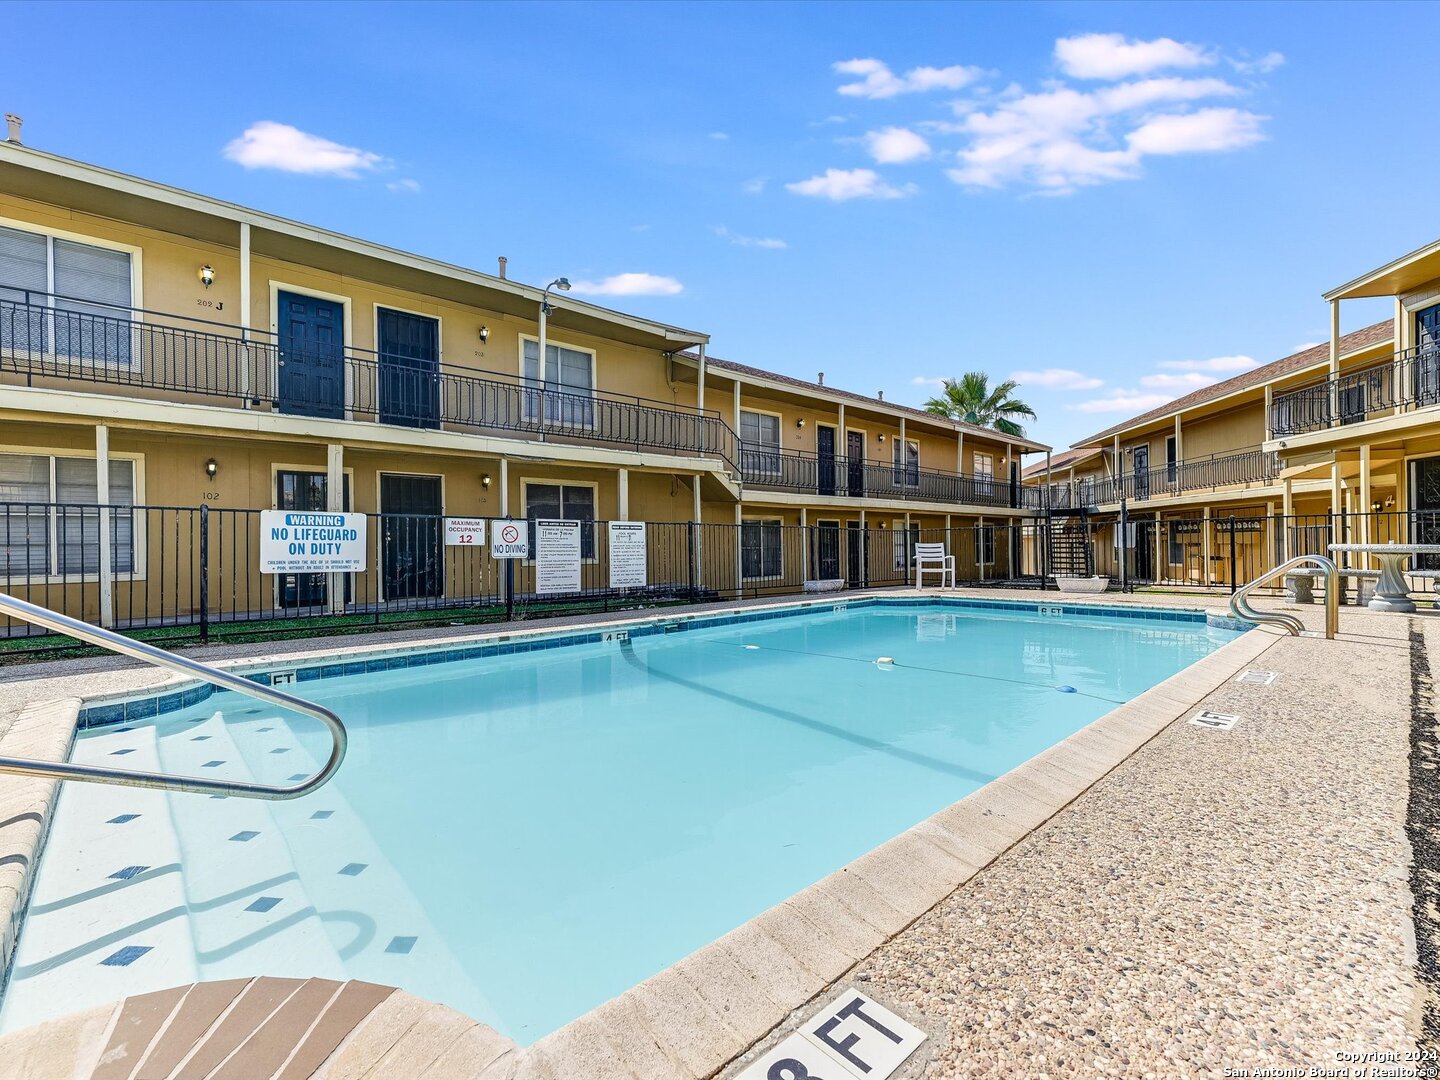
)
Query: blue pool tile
[
  {"x": 122, "y": 753},
  {"x": 281, "y": 750},
  {"x": 297, "y": 776},
  {"x": 126, "y": 956},
  {"x": 262, "y": 730},
  {"x": 121, "y": 819},
  {"x": 127, "y": 727},
  {"x": 125, "y": 873},
  {"x": 321, "y": 815},
  {"x": 244, "y": 835},
  {"x": 353, "y": 869},
  {"x": 200, "y": 738},
  {"x": 141, "y": 710},
  {"x": 212, "y": 764},
  {"x": 401, "y": 945},
  {"x": 264, "y": 903}
]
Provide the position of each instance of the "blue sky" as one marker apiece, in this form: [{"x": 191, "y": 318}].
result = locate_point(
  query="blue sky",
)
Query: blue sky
[{"x": 1120, "y": 201}]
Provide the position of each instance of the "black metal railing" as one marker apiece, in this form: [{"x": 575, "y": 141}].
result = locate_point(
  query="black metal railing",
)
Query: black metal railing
[
  {"x": 48, "y": 340},
  {"x": 804, "y": 472},
  {"x": 1162, "y": 481},
  {"x": 1405, "y": 380}
]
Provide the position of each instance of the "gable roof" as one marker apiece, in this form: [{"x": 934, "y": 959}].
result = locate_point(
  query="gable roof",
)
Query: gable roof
[
  {"x": 880, "y": 404},
  {"x": 1062, "y": 460},
  {"x": 1364, "y": 338}
]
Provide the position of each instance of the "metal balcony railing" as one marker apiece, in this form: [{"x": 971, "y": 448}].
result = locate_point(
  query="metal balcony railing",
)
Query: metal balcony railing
[
  {"x": 57, "y": 341},
  {"x": 1405, "y": 380},
  {"x": 1194, "y": 474},
  {"x": 808, "y": 473}
]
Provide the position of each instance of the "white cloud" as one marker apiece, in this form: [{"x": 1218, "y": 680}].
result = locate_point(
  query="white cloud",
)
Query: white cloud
[
  {"x": 926, "y": 380},
  {"x": 266, "y": 144},
  {"x": 1057, "y": 379},
  {"x": 1061, "y": 138},
  {"x": 896, "y": 146},
  {"x": 1205, "y": 131},
  {"x": 1113, "y": 56},
  {"x": 838, "y": 185},
  {"x": 1263, "y": 66},
  {"x": 876, "y": 80},
  {"x": 754, "y": 186},
  {"x": 405, "y": 186},
  {"x": 833, "y": 118},
  {"x": 1306, "y": 346},
  {"x": 1215, "y": 363},
  {"x": 740, "y": 240},
  {"x": 1126, "y": 401},
  {"x": 720, "y": 136},
  {"x": 632, "y": 284},
  {"x": 1182, "y": 382}
]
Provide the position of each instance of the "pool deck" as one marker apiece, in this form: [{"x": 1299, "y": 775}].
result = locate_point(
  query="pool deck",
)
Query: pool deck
[{"x": 1148, "y": 898}]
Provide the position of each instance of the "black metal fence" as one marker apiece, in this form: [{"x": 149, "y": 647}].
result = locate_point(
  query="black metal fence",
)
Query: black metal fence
[
  {"x": 1404, "y": 380},
  {"x": 806, "y": 472},
  {"x": 175, "y": 574}
]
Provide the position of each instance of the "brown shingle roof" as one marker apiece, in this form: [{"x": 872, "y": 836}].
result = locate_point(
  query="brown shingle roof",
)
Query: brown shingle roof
[
  {"x": 1354, "y": 341},
  {"x": 1062, "y": 460},
  {"x": 814, "y": 387}
]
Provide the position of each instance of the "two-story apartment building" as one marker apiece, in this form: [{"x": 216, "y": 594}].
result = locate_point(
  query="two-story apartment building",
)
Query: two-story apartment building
[{"x": 169, "y": 351}]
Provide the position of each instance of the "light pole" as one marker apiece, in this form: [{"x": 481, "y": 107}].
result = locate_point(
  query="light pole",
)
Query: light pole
[
  {"x": 1124, "y": 521},
  {"x": 563, "y": 284}
]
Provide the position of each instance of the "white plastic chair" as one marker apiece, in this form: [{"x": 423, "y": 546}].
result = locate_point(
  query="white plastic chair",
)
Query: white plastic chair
[{"x": 931, "y": 559}]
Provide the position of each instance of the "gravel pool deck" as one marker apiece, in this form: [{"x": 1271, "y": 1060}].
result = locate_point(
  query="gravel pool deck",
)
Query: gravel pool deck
[{"x": 1222, "y": 903}]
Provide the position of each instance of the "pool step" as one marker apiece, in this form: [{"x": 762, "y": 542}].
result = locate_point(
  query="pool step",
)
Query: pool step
[{"x": 111, "y": 901}]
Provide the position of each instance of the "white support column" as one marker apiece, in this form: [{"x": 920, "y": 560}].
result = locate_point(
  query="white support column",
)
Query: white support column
[
  {"x": 1287, "y": 509},
  {"x": 1334, "y": 359},
  {"x": 904, "y": 452},
  {"x": 804, "y": 545},
  {"x": 1337, "y": 510},
  {"x": 1162, "y": 569},
  {"x": 102, "y": 496},
  {"x": 1207, "y": 526},
  {"x": 740, "y": 551},
  {"x": 959, "y": 453},
  {"x": 695, "y": 517},
  {"x": 335, "y": 503},
  {"x": 245, "y": 314},
  {"x": 504, "y": 487},
  {"x": 1269, "y": 415},
  {"x": 737, "y": 406},
  {"x": 700, "y": 382},
  {"x": 1180, "y": 448},
  {"x": 623, "y": 494},
  {"x": 1365, "y": 523},
  {"x": 1265, "y": 562},
  {"x": 979, "y": 548}
]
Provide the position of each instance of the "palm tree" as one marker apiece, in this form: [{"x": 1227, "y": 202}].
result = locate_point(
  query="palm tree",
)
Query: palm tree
[{"x": 971, "y": 400}]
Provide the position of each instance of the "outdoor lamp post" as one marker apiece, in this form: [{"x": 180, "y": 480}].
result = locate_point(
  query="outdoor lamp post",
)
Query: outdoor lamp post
[{"x": 563, "y": 284}]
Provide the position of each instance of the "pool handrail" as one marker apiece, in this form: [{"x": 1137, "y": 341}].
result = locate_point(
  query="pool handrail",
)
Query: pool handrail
[
  {"x": 139, "y": 650},
  {"x": 1240, "y": 599}
]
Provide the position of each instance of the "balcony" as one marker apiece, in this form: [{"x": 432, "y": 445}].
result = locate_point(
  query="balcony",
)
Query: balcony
[
  {"x": 1406, "y": 380},
  {"x": 60, "y": 343},
  {"x": 805, "y": 473},
  {"x": 1214, "y": 473}
]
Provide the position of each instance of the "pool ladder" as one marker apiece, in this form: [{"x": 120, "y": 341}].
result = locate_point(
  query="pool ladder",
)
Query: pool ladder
[
  {"x": 1240, "y": 599},
  {"x": 139, "y": 650}
]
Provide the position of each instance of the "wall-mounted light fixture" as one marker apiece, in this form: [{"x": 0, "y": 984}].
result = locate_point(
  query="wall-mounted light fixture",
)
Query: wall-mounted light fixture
[
  {"x": 484, "y": 334},
  {"x": 207, "y": 275},
  {"x": 1375, "y": 507},
  {"x": 882, "y": 438},
  {"x": 211, "y": 468},
  {"x": 485, "y": 481},
  {"x": 800, "y": 423}
]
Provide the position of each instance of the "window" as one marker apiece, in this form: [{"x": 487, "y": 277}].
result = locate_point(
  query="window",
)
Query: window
[
  {"x": 906, "y": 462},
  {"x": 760, "y": 551},
  {"x": 902, "y": 542},
  {"x": 568, "y": 383},
  {"x": 1176, "y": 553},
  {"x": 760, "y": 443},
  {"x": 49, "y": 521},
  {"x": 984, "y": 474},
  {"x": 565, "y": 502},
  {"x": 984, "y": 544},
  {"x": 64, "y": 297}
]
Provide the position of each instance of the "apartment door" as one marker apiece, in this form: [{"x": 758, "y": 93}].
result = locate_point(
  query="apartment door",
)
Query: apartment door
[
  {"x": 855, "y": 462},
  {"x": 825, "y": 459},
  {"x": 1145, "y": 551},
  {"x": 825, "y": 551},
  {"x": 409, "y": 369},
  {"x": 1425, "y": 507},
  {"x": 854, "y": 554},
  {"x": 296, "y": 490},
  {"x": 1427, "y": 356},
  {"x": 411, "y": 551},
  {"x": 311, "y": 340},
  {"x": 1142, "y": 472}
]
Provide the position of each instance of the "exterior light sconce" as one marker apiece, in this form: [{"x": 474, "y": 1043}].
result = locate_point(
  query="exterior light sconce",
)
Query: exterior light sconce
[
  {"x": 1375, "y": 507},
  {"x": 800, "y": 423},
  {"x": 484, "y": 334},
  {"x": 211, "y": 468},
  {"x": 485, "y": 481},
  {"x": 207, "y": 275},
  {"x": 882, "y": 439}
]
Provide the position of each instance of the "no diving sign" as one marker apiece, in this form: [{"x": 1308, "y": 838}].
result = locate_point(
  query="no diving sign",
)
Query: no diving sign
[
  {"x": 510, "y": 540},
  {"x": 852, "y": 1038}
]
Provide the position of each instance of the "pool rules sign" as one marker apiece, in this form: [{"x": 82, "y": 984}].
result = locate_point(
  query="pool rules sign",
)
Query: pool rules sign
[
  {"x": 627, "y": 554},
  {"x": 557, "y": 556},
  {"x": 852, "y": 1038},
  {"x": 294, "y": 542}
]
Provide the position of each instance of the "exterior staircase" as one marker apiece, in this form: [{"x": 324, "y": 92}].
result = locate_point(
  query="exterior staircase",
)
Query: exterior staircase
[{"x": 1071, "y": 553}]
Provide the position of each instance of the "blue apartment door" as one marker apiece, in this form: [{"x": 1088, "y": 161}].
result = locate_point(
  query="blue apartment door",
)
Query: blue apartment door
[
  {"x": 312, "y": 356},
  {"x": 409, "y": 369}
]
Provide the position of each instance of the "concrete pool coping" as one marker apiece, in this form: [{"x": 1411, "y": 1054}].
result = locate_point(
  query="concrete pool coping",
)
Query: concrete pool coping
[{"x": 694, "y": 1017}]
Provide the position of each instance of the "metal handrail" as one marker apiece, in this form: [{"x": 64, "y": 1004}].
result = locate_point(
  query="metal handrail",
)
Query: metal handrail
[
  {"x": 139, "y": 650},
  {"x": 1241, "y": 609}
]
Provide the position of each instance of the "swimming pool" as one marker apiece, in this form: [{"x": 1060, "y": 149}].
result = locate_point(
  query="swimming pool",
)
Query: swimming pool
[{"x": 524, "y": 834}]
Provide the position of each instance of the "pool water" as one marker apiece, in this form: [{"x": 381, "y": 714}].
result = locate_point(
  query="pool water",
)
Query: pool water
[{"x": 524, "y": 836}]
